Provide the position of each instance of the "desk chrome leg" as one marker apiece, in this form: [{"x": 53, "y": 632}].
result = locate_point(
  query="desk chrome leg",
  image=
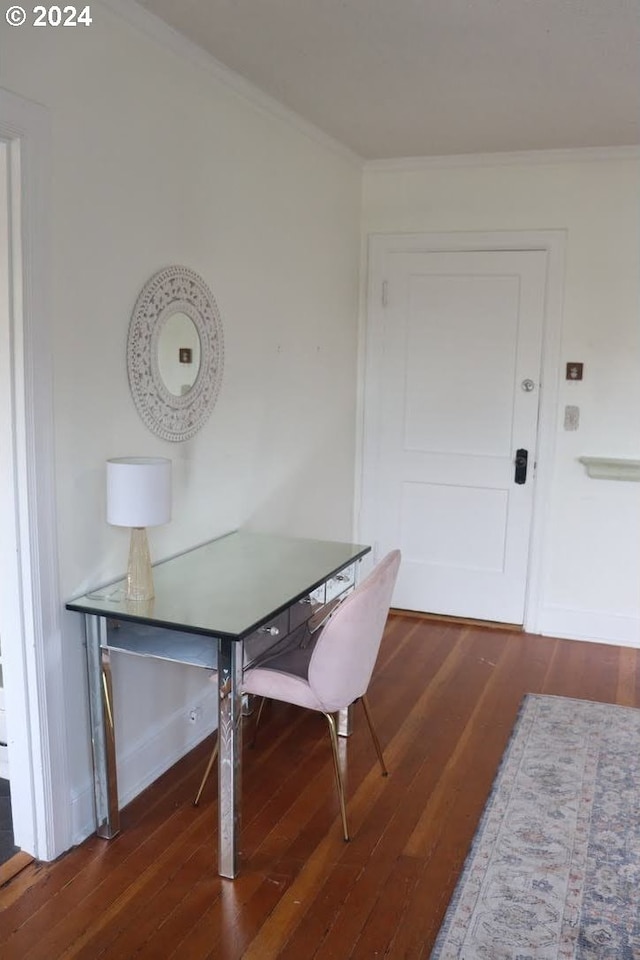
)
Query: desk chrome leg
[
  {"x": 345, "y": 722},
  {"x": 229, "y": 755},
  {"x": 103, "y": 744}
]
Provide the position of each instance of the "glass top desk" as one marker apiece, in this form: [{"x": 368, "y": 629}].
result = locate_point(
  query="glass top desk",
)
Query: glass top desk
[{"x": 208, "y": 602}]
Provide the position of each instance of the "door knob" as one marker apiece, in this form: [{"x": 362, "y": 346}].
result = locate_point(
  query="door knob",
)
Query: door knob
[{"x": 522, "y": 457}]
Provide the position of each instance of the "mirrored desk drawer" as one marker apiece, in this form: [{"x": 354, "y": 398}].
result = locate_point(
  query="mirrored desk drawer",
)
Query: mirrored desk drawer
[
  {"x": 144, "y": 640},
  {"x": 305, "y": 608},
  {"x": 265, "y": 637},
  {"x": 343, "y": 581}
]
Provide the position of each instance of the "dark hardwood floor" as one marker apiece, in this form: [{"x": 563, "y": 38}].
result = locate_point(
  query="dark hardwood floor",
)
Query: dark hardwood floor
[{"x": 444, "y": 696}]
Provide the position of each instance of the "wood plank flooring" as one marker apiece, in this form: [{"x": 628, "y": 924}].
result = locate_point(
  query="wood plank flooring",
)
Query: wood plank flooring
[{"x": 445, "y": 697}]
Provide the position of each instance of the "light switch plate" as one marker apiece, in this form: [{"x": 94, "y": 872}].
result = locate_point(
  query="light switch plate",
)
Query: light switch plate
[{"x": 571, "y": 418}]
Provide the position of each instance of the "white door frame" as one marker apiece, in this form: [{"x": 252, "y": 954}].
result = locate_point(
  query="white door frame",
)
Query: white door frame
[
  {"x": 553, "y": 242},
  {"x": 30, "y": 614}
]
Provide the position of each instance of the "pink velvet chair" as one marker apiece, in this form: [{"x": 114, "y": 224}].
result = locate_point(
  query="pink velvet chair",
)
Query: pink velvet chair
[{"x": 333, "y": 668}]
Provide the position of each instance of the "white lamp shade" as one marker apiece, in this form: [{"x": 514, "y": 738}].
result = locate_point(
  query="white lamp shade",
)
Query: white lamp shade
[{"x": 138, "y": 491}]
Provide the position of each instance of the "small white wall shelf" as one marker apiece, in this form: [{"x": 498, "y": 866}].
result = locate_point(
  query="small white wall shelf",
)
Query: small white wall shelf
[{"x": 606, "y": 468}]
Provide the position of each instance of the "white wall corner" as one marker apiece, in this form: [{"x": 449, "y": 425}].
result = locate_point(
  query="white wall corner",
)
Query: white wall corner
[{"x": 156, "y": 29}]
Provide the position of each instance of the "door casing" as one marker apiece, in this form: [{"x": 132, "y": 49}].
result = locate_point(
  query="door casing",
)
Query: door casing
[
  {"x": 33, "y": 659},
  {"x": 552, "y": 242}
]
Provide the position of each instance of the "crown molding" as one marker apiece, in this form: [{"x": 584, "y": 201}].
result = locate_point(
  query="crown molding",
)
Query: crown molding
[
  {"x": 157, "y": 30},
  {"x": 516, "y": 158}
]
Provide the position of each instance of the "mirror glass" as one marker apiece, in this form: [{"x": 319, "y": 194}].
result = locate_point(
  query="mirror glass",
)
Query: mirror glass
[{"x": 178, "y": 353}]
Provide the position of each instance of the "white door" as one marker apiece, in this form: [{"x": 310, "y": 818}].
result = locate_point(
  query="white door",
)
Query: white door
[{"x": 457, "y": 390}]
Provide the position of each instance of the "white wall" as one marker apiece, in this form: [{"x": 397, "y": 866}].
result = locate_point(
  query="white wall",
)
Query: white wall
[
  {"x": 591, "y": 585},
  {"x": 156, "y": 161}
]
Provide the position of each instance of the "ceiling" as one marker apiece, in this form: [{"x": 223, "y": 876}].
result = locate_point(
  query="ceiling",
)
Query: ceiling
[{"x": 407, "y": 78}]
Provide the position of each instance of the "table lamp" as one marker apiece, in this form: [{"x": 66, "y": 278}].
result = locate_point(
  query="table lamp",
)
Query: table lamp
[{"x": 139, "y": 496}]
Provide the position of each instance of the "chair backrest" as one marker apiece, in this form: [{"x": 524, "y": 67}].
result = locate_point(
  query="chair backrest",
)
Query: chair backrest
[{"x": 346, "y": 650}]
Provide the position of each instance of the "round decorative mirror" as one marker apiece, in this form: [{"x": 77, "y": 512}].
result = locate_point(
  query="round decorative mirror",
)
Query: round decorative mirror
[{"x": 175, "y": 353}]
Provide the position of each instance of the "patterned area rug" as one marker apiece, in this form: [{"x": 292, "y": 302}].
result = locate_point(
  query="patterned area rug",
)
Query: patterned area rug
[{"x": 554, "y": 870}]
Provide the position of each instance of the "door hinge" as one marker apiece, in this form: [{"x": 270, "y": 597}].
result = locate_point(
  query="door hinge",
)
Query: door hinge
[{"x": 385, "y": 294}]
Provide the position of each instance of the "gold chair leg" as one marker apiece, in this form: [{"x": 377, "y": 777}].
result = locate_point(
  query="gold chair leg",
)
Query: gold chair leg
[
  {"x": 374, "y": 736},
  {"x": 212, "y": 758},
  {"x": 336, "y": 767}
]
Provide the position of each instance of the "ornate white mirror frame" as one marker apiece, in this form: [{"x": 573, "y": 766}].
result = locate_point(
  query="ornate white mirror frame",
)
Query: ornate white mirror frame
[{"x": 170, "y": 291}]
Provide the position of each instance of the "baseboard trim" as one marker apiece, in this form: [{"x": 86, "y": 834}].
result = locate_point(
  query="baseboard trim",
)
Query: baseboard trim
[
  {"x": 466, "y": 621},
  {"x": 593, "y": 626}
]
